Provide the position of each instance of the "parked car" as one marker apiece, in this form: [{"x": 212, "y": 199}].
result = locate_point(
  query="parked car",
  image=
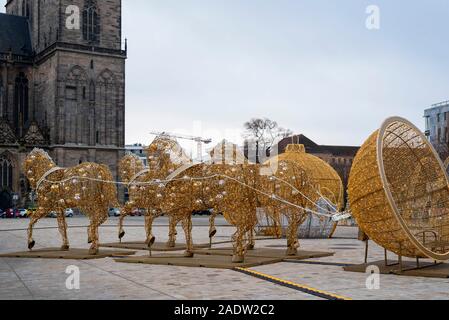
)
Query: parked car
[
  {"x": 202, "y": 213},
  {"x": 68, "y": 214},
  {"x": 52, "y": 215},
  {"x": 23, "y": 213},
  {"x": 137, "y": 213},
  {"x": 11, "y": 213},
  {"x": 114, "y": 212},
  {"x": 2, "y": 214}
]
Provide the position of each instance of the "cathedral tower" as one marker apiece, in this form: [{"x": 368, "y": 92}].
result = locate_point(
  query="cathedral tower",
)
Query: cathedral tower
[{"x": 64, "y": 87}]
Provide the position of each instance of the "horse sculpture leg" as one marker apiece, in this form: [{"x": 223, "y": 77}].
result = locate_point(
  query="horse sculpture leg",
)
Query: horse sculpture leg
[
  {"x": 187, "y": 226},
  {"x": 239, "y": 251},
  {"x": 173, "y": 222},
  {"x": 126, "y": 211},
  {"x": 62, "y": 226},
  {"x": 149, "y": 218},
  {"x": 292, "y": 236},
  {"x": 251, "y": 242},
  {"x": 39, "y": 214},
  {"x": 90, "y": 236},
  {"x": 94, "y": 231},
  {"x": 93, "y": 250},
  {"x": 212, "y": 229}
]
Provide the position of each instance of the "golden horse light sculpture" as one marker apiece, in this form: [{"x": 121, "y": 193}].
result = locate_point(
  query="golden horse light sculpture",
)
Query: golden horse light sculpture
[
  {"x": 164, "y": 156},
  {"x": 399, "y": 192},
  {"x": 227, "y": 189},
  {"x": 89, "y": 187}
]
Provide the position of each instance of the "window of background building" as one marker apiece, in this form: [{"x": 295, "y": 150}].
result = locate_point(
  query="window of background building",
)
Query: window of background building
[
  {"x": 91, "y": 22},
  {"x": 5, "y": 173}
]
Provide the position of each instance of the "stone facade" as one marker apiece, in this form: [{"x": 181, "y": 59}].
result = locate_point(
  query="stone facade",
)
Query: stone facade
[
  {"x": 67, "y": 94},
  {"x": 437, "y": 128}
]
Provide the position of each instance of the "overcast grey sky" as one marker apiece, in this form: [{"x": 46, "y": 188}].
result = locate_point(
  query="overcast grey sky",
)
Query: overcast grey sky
[{"x": 312, "y": 65}]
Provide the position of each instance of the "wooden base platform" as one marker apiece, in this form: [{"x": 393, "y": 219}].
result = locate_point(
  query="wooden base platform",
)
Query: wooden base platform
[
  {"x": 266, "y": 253},
  {"x": 157, "y": 246},
  {"x": 409, "y": 268},
  {"x": 72, "y": 254},
  {"x": 199, "y": 261}
]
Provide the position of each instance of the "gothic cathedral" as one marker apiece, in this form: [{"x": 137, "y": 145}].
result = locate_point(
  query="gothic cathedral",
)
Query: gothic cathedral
[{"x": 61, "y": 88}]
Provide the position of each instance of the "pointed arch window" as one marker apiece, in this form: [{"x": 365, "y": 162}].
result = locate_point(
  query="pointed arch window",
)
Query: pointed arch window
[
  {"x": 21, "y": 107},
  {"x": 26, "y": 9},
  {"x": 2, "y": 111},
  {"x": 92, "y": 91},
  {"x": 6, "y": 173},
  {"x": 91, "y": 22}
]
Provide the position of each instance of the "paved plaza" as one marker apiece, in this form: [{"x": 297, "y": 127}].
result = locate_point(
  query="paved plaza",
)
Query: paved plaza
[{"x": 106, "y": 279}]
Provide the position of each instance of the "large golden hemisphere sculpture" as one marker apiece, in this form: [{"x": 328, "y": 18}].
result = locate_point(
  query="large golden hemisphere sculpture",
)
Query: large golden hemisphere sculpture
[
  {"x": 398, "y": 191},
  {"x": 325, "y": 181},
  {"x": 316, "y": 182}
]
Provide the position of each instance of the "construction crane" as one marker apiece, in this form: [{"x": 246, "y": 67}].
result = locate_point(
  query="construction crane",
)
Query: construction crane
[{"x": 199, "y": 140}]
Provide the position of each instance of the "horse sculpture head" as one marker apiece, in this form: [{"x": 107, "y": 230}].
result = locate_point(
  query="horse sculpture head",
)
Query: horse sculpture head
[
  {"x": 166, "y": 155},
  {"x": 36, "y": 164},
  {"x": 129, "y": 166}
]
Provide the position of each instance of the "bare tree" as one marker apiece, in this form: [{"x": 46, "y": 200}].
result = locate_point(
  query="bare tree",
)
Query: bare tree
[{"x": 263, "y": 135}]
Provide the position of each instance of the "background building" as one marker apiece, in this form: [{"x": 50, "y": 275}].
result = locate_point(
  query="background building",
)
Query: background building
[
  {"x": 437, "y": 124},
  {"x": 139, "y": 150},
  {"x": 60, "y": 89}
]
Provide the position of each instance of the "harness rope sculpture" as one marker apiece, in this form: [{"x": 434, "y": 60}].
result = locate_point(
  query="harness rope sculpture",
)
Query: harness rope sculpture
[
  {"x": 399, "y": 192},
  {"x": 78, "y": 187}
]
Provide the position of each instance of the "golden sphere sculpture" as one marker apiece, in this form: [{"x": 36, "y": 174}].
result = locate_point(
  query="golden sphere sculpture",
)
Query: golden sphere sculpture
[
  {"x": 324, "y": 180},
  {"x": 398, "y": 191},
  {"x": 314, "y": 182}
]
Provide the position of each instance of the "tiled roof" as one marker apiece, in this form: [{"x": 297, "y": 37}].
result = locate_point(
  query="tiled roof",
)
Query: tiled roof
[
  {"x": 15, "y": 35},
  {"x": 313, "y": 148}
]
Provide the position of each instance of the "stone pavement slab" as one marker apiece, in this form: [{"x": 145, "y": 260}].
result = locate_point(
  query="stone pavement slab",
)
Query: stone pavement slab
[{"x": 106, "y": 279}]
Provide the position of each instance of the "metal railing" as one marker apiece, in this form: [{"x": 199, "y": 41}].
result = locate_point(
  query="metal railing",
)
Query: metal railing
[{"x": 441, "y": 104}]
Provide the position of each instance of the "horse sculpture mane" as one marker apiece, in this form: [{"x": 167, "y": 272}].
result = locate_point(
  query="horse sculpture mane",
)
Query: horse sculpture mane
[{"x": 129, "y": 167}]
